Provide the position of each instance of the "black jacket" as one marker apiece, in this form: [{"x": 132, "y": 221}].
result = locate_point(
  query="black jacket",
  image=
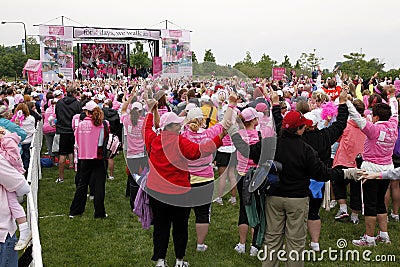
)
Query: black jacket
[
  {"x": 66, "y": 108},
  {"x": 112, "y": 116}
]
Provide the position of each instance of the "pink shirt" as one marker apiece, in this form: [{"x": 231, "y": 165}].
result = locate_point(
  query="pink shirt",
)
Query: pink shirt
[
  {"x": 47, "y": 125},
  {"x": 87, "y": 137},
  {"x": 351, "y": 143},
  {"x": 202, "y": 167},
  {"x": 10, "y": 151},
  {"x": 10, "y": 181},
  {"x": 133, "y": 135},
  {"x": 381, "y": 138},
  {"x": 244, "y": 163}
]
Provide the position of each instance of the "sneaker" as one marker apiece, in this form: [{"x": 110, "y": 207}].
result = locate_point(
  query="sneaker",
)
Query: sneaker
[
  {"x": 183, "y": 264},
  {"x": 315, "y": 247},
  {"x": 354, "y": 220},
  {"x": 395, "y": 217},
  {"x": 201, "y": 248},
  {"x": 219, "y": 201},
  {"x": 240, "y": 248},
  {"x": 71, "y": 216},
  {"x": 232, "y": 200},
  {"x": 91, "y": 198},
  {"x": 382, "y": 239},
  {"x": 104, "y": 217},
  {"x": 332, "y": 204},
  {"x": 23, "y": 243},
  {"x": 111, "y": 178},
  {"x": 253, "y": 251},
  {"x": 341, "y": 214},
  {"x": 59, "y": 181},
  {"x": 161, "y": 263},
  {"x": 363, "y": 242}
]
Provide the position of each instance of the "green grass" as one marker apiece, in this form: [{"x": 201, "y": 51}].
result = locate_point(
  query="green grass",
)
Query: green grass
[{"x": 120, "y": 240}]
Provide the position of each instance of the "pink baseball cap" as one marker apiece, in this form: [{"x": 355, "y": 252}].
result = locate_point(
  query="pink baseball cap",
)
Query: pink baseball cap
[
  {"x": 90, "y": 105},
  {"x": 261, "y": 107},
  {"x": 170, "y": 117},
  {"x": 249, "y": 114}
]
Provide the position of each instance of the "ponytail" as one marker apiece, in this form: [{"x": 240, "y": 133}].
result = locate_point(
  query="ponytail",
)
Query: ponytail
[{"x": 134, "y": 116}]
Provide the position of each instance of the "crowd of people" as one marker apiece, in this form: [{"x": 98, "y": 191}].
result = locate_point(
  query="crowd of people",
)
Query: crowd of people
[{"x": 176, "y": 132}]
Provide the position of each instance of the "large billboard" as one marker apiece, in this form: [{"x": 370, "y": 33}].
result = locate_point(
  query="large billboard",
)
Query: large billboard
[
  {"x": 110, "y": 55},
  {"x": 176, "y": 53},
  {"x": 56, "y": 52}
]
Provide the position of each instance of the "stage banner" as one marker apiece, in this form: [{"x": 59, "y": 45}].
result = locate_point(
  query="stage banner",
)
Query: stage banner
[
  {"x": 277, "y": 73},
  {"x": 56, "y": 53},
  {"x": 176, "y": 53},
  {"x": 115, "y": 33}
]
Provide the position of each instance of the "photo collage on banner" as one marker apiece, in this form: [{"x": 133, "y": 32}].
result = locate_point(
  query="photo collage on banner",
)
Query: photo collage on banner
[
  {"x": 56, "y": 53},
  {"x": 103, "y": 55},
  {"x": 176, "y": 53}
]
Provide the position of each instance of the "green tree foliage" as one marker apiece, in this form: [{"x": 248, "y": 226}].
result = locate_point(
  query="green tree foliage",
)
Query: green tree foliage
[
  {"x": 194, "y": 58},
  {"x": 138, "y": 57},
  {"x": 209, "y": 56},
  {"x": 357, "y": 65},
  {"x": 286, "y": 63},
  {"x": 12, "y": 59},
  {"x": 309, "y": 62}
]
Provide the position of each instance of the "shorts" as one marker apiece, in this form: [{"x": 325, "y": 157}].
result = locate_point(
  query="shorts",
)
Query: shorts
[
  {"x": 223, "y": 159},
  {"x": 67, "y": 141}
]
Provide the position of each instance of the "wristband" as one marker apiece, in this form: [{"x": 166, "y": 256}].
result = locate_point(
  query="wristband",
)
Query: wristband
[{"x": 231, "y": 106}]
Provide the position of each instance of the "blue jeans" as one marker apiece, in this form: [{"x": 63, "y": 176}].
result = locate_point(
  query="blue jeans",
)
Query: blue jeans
[
  {"x": 26, "y": 155},
  {"x": 8, "y": 256}
]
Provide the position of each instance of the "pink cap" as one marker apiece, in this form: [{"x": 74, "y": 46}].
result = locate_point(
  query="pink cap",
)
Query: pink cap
[
  {"x": 90, "y": 105},
  {"x": 261, "y": 107},
  {"x": 170, "y": 117},
  {"x": 249, "y": 114}
]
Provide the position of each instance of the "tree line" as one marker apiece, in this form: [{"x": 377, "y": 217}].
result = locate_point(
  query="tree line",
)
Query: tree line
[{"x": 12, "y": 61}]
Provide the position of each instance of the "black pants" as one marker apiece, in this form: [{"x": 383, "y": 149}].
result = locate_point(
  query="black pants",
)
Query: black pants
[
  {"x": 135, "y": 166},
  {"x": 340, "y": 188},
  {"x": 163, "y": 216},
  {"x": 242, "y": 210},
  {"x": 374, "y": 197},
  {"x": 90, "y": 169}
]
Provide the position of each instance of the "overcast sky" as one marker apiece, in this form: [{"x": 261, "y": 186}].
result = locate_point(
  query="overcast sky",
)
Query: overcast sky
[{"x": 230, "y": 28}]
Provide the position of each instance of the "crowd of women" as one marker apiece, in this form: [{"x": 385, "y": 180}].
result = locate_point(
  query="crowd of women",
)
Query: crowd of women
[{"x": 176, "y": 131}]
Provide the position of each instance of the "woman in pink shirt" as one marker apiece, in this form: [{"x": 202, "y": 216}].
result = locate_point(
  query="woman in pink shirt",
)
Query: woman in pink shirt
[
  {"x": 201, "y": 173},
  {"x": 250, "y": 135},
  {"x": 49, "y": 126},
  {"x": 136, "y": 157},
  {"x": 89, "y": 139},
  {"x": 381, "y": 136}
]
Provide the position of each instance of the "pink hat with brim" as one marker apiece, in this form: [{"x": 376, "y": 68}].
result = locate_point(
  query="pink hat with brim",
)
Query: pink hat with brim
[
  {"x": 90, "y": 105},
  {"x": 249, "y": 114},
  {"x": 170, "y": 117}
]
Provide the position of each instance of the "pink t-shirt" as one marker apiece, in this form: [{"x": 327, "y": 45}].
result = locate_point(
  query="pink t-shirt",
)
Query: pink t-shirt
[
  {"x": 202, "y": 166},
  {"x": 134, "y": 136},
  {"x": 244, "y": 163}
]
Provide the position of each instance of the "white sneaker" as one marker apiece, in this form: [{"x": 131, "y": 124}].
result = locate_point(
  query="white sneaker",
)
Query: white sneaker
[
  {"x": 201, "y": 248},
  {"x": 240, "y": 248},
  {"x": 161, "y": 263},
  {"x": 395, "y": 217},
  {"x": 183, "y": 264},
  {"x": 332, "y": 204},
  {"x": 219, "y": 201},
  {"x": 382, "y": 239},
  {"x": 232, "y": 200},
  {"x": 111, "y": 178},
  {"x": 253, "y": 251},
  {"x": 23, "y": 243},
  {"x": 363, "y": 242}
]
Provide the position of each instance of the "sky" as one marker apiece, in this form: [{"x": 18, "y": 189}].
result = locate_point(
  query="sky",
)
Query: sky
[{"x": 230, "y": 28}]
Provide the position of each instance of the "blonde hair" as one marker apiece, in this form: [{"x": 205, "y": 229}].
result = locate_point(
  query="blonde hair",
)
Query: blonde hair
[{"x": 195, "y": 124}]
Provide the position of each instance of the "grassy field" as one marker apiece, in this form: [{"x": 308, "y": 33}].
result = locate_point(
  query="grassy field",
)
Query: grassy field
[{"x": 119, "y": 240}]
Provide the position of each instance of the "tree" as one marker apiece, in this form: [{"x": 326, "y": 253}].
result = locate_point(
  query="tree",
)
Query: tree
[
  {"x": 194, "y": 59},
  {"x": 138, "y": 57},
  {"x": 265, "y": 65},
  {"x": 247, "y": 60},
  {"x": 286, "y": 63},
  {"x": 309, "y": 62},
  {"x": 209, "y": 56}
]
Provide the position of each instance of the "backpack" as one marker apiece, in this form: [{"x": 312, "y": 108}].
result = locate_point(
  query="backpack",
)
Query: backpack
[
  {"x": 111, "y": 143},
  {"x": 396, "y": 150},
  {"x": 208, "y": 119},
  {"x": 142, "y": 202}
]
